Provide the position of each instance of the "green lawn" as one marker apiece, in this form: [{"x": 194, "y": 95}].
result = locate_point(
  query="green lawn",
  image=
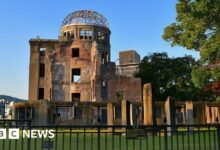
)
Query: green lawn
[{"x": 89, "y": 141}]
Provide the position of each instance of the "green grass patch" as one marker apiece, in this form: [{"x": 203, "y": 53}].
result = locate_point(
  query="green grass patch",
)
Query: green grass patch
[{"x": 88, "y": 140}]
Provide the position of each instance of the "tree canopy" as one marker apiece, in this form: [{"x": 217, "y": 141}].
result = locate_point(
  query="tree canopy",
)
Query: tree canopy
[
  {"x": 197, "y": 27},
  {"x": 169, "y": 76}
]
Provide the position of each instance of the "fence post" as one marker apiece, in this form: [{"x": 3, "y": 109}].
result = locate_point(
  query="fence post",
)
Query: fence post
[
  {"x": 218, "y": 132},
  {"x": 99, "y": 138},
  {"x": 165, "y": 134},
  {"x": 29, "y": 139}
]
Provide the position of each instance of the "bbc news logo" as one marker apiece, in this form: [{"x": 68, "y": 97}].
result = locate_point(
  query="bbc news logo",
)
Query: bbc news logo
[{"x": 14, "y": 133}]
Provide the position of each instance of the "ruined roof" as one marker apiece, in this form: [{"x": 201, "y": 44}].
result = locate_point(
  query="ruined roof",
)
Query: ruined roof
[{"x": 85, "y": 17}]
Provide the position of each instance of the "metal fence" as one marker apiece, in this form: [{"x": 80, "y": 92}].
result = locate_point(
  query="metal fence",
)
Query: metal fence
[{"x": 160, "y": 137}]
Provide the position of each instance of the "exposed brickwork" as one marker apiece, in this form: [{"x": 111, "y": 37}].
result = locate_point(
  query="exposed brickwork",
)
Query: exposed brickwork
[
  {"x": 77, "y": 68},
  {"x": 128, "y": 57},
  {"x": 131, "y": 88}
]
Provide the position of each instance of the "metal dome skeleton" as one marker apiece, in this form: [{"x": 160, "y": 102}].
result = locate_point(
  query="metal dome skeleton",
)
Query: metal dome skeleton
[{"x": 85, "y": 17}]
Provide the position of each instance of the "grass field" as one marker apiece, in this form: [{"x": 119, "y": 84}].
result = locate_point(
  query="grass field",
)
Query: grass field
[{"x": 89, "y": 141}]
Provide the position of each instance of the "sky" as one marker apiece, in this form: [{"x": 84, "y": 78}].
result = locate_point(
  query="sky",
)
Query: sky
[{"x": 134, "y": 24}]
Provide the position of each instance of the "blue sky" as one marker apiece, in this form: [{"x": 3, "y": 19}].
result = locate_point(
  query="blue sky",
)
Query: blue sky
[{"x": 135, "y": 24}]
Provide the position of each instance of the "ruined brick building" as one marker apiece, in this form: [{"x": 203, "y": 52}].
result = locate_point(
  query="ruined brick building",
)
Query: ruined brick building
[
  {"x": 73, "y": 81},
  {"x": 72, "y": 78}
]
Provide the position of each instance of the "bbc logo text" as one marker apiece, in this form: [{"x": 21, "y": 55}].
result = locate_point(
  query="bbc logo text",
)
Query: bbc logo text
[{"x": 16, "y": 133}]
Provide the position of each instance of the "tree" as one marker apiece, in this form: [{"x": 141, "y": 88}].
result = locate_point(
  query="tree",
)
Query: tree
[
  {"x": 169, "y": 76},
  {"x": 197, "y": 27}
]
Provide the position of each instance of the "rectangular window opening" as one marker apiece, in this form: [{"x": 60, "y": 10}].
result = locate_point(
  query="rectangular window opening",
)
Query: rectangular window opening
[
  {"x": 68, "y": 34},
  {"x": 41, "y": 93},
  {"x": 101, "y": 36},
  {"x": 75, "y": 52},
  {"x": 104, "y": 90},
  {"x": 42, "y": 70},
  {"x": 76, "y": 75},
  {"x": 86, "y": 34},
  {"x": 42, "y": 51},
  {"x": 82, "y": 34},
  {"x": 89, "y": 34},
  {"x": 76, "y": 97}
]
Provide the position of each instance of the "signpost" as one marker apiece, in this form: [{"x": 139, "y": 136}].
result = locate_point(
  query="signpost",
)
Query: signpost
[{"x": 135, "y": 133}]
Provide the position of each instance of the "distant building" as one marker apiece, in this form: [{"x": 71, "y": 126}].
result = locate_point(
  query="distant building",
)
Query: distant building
[{"x": 6, "y": 109}]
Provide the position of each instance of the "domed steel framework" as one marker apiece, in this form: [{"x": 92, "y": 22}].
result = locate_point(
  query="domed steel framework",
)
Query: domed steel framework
[{"x": 86, "y": 17}]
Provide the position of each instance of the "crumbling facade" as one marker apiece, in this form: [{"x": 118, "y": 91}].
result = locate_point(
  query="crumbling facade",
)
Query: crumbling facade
[
  {"x": 72, "y": 81},
  {"x": 74, "y": 73}
]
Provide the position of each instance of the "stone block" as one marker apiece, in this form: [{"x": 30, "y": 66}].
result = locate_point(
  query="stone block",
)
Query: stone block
[{"x": 147, "y": 104}]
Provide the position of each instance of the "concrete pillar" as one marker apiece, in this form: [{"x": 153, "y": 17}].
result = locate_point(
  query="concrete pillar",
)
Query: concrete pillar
[
  {"x": 168, "y": 114},
  {"x": 189, "y": 113},
  {"x": 207, "y": 114},
  {"x": 41, "y": 115},
  {"x": 34, "y": 73},
  {"x": 168, "y": 111},
  {"x": 110, "y": 114},
  {"x": 199, "y": 110},
  {"x": 214, "y": 114},
  {"x": 147, "y": 104},
  {"x": 47, "y": 82},
  {"x": 125, "y": 112}
]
